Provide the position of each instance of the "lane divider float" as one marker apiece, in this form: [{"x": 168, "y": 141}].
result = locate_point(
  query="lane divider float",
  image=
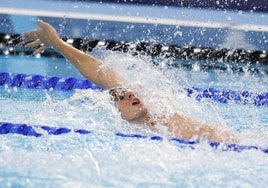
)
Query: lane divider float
[
  {"x": 32, "y": 130},
  {"x": 71, "y": 83}
]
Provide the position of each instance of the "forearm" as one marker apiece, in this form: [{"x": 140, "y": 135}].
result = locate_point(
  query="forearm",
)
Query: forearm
[{"x": 90, "y": 67}]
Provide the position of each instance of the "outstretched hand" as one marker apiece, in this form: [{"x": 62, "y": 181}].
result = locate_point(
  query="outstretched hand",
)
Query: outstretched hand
[{"x": 44, "y": 37}]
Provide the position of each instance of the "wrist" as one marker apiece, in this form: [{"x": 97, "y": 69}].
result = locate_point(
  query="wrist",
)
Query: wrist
[{"x": 57, "y": 43}]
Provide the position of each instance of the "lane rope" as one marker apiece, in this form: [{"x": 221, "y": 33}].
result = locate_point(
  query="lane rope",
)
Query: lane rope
[
  {"x": 32, "y": 130},
  {"x": 13, "y": 44},
  {"x": 45, "y": 82},
  {"x": 71, "y": 83}
]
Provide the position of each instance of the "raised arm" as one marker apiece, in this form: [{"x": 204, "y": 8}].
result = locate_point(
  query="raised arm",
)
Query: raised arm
[{"x": 92, "y": 68}]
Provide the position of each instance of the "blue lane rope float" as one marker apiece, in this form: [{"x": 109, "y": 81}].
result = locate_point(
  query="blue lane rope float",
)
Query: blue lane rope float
[
  {"x": 31, "y": 130},
  {"x": 71, "y": 83},
  {"x": 225, "y": 96},
  {"x": 45, "y": 82}
]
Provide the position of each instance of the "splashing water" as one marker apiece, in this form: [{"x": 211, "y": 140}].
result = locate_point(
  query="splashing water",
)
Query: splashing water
[{"x": 102, "y": 159}]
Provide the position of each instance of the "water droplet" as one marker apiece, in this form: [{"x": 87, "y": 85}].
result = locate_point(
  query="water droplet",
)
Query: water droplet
[
  {"x": 38, "y": 55},
  {"x": 196, "y": 67},
  {"x": 7, "y": 37},
  {"x": 6, "y": 52},
  {"x": 70, "y": 41},
  {"x": 178, "y": 33}
]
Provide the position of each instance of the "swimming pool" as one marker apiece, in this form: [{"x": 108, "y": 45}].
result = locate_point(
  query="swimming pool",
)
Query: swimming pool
[
  {"x": 80, "y": 142},
  {"x": 103, "y": 158}
]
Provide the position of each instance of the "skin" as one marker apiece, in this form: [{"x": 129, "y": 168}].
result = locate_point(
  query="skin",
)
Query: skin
[{"x": 131, "y": 107}]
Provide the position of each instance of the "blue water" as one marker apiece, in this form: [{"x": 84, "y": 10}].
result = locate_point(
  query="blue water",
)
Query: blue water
[{"x": 102, "y": 159}]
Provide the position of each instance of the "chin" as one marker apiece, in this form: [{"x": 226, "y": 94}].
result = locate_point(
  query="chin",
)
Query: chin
[
  {"x": 133, "y": 112},
  {"x": 139, "y": 115}
]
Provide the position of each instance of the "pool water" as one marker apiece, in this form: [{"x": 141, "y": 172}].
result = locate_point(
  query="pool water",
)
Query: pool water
[{"x": 102, "y": 159}]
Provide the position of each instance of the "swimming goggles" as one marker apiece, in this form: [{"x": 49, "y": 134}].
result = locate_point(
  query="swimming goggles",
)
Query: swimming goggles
[{"x": 117, "y": 94}]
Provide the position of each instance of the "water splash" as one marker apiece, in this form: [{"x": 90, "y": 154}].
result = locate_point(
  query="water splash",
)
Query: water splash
[{"x": 101, "y": 159}]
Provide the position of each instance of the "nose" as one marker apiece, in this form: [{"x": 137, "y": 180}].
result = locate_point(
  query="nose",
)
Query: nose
[{"x": 129, "y": 95}]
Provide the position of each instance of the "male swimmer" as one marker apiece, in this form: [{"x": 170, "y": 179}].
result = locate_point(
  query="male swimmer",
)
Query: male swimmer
[{"x": 129, "y": 105}]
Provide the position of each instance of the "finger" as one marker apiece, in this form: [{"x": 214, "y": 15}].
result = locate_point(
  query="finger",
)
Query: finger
[
  {"x": 43, "y": 24},
  {"x": 39, "y": 50},
  {"x": 31, "y": 35},
  {"x": 34, "y": 44}
]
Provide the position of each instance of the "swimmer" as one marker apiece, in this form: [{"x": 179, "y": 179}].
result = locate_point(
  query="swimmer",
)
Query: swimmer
[{"x": 131, "y": 107}]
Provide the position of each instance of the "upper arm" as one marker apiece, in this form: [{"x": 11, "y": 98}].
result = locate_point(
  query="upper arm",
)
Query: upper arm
[{"x": 107, "y": 78}]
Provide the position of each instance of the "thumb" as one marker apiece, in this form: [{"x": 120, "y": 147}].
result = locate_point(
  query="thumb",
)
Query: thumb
[{"x": 43, "y": 24}]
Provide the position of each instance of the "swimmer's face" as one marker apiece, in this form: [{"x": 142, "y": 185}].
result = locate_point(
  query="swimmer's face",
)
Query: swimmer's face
[{"x": 131, "y": 107}]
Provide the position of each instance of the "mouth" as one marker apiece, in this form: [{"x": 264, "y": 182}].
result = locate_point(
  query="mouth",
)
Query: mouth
[{"x": 135, "y": 102}]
